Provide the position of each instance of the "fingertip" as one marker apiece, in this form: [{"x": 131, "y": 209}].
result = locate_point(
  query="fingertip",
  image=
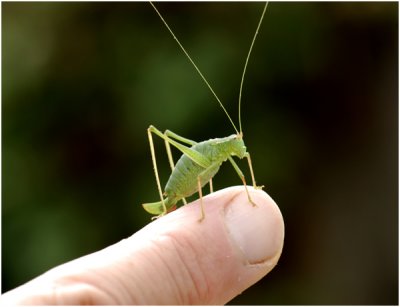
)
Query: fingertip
[
  {"x": 234, "y": 246},
  {"x": 258, "y": 231}
]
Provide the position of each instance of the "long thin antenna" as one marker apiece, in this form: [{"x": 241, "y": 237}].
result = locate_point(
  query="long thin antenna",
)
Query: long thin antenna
[
  {"x": 245, "y": 65},
  {"x": 195, "y": 66}
]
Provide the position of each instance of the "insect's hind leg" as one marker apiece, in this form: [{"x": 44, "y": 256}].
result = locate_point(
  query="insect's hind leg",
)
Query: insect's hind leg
[
  {"x": 194, "y": 155},
  {"x": 171, "y": 162},
  {"x": 172, "y": 135},
  {"x": 153, "y": 158},
  {"x": 177, "y": 137}
]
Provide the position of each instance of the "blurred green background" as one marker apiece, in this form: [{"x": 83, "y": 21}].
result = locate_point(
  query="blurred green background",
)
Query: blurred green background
[{"x": 81, "y": 82}]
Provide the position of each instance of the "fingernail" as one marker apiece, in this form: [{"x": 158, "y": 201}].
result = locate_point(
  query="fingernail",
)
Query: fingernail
[{"x": 257, "y": 231}]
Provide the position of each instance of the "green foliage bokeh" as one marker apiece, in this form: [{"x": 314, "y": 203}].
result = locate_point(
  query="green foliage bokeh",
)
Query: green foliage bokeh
[{"x": 81, "y": 82}]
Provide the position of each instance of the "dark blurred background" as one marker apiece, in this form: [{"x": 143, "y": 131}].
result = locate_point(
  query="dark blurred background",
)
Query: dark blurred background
[{"x": 81, "y": 82}]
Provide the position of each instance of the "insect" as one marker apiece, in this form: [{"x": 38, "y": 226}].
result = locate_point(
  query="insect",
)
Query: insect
[{"x": 200, "y": 161}]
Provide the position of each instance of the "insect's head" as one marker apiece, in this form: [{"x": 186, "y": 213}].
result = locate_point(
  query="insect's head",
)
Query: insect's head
[{"x": 238, "y": 147}]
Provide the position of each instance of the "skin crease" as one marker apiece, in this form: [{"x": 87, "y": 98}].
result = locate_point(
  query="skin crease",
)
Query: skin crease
[{"x": 173, "y": 260}]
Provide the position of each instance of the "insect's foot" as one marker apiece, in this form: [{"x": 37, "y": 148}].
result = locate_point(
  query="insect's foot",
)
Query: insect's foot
[
  {"x": 202, "y": 215},
  {"x": 252, "y": 202},
  {"x": 259, "y": 187},
  {"x": 157, "y": 217}
]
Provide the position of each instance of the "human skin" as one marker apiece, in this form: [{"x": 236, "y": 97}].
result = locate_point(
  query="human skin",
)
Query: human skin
[{"x": 174, "y": 260}]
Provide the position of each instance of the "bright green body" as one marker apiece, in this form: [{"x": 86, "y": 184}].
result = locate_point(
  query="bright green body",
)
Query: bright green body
[{"x": 183, "y": 181}]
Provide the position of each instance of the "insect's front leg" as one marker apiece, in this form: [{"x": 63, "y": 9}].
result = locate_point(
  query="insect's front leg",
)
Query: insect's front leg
[
  {"x": 240, "y": 173},
  {"x": 252, "y": 172}
]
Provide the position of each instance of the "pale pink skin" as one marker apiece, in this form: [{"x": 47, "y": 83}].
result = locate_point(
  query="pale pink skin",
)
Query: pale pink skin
[{"x": 174, "y": 260}]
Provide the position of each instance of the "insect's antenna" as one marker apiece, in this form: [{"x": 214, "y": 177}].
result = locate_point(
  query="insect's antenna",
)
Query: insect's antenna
[
  {"x": 195, "y": 66},
  {"x": 245, "y": 65}
]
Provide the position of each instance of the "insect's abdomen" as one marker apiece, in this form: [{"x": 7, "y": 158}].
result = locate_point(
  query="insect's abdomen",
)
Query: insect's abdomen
[{"x": 183, "y": 180}]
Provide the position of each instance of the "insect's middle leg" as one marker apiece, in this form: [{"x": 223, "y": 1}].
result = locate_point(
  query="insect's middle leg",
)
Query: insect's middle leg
[
  {"x": 201, "y": 198},
  {"x": 200, "y": 188}
]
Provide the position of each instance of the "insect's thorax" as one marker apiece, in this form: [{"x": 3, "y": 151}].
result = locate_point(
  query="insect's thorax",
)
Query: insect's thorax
[{"x": 222, "y": 148}]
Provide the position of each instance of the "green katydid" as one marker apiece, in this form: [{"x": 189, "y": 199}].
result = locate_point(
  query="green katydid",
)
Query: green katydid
[{"x": 200, "y": 161}]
